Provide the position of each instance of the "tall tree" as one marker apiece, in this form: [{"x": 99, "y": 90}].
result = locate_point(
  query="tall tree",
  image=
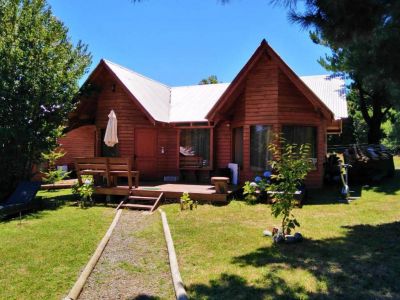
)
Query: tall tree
[
  {"x": 212, "y": 79},
  {"x": 363, "y": 37},
  {"x": 39, "y": 72}
]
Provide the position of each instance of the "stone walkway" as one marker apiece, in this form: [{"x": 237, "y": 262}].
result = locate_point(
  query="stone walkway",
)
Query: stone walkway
[{"x": 134, "y": 264}]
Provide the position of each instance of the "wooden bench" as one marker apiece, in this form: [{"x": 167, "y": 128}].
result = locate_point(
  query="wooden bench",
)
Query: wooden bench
[
  {"x": 190, "y": 162},
  {"x": 95, "y": 166},
  {"x": 109, "y": 168},
  {"x": 122, "y": 167}
]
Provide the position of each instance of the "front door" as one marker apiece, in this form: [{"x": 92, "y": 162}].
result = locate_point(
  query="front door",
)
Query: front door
[{"x": 146, "y": 152}]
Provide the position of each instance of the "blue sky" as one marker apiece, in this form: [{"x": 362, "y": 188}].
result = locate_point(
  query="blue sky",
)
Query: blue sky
[{"x": 179, "y": 42}]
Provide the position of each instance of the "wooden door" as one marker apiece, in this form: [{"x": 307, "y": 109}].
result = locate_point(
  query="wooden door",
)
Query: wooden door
[{"x": 146, "y": 153}]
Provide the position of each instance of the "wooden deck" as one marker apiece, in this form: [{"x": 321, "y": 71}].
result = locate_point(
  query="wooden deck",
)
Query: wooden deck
[
  {"x": 199, "y": 192},
  {"x": 173, "y": 191}
]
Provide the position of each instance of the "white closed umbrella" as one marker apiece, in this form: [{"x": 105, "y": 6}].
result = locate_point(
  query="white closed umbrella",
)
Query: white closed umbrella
[{"x": 111, "y": 138}]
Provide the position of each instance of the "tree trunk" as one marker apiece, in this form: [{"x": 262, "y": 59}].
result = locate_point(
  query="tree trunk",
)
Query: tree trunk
[{"x": 374, "y": 131}]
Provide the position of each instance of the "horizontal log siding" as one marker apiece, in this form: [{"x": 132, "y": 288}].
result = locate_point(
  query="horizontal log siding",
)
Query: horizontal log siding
[
  {"x": 78, "y": 142},
  {"x": 256, "y": 105},
  {"x": 295, "y": 109},
  {"x": 223, "y": 145},
  {"x": 168, "y": 162},
  {"x": 128, "y": 114},
  {"x": 270, "y": 98}
]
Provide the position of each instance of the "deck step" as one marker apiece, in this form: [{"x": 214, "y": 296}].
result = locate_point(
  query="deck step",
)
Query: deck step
[
  {"x": 143, "y": 198},
  {"x": 138, "y": 206}
]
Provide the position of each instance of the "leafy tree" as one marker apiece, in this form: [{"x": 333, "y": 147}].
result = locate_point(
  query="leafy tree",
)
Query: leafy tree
[
  {"x": 39, "y": 73},
  {"x": 363, "y": 37},
  {"x": 212, "y": 79}
]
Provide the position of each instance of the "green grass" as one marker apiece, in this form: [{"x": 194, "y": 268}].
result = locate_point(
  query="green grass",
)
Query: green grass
[
  {"x": 42, "y": 255},
  {"x": 351, "y": 250}
]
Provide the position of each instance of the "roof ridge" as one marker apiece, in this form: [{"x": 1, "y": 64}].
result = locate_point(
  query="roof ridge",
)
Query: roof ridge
[
  {"x": 193, "y": 85},
  {"x": 136, "y": 73}
]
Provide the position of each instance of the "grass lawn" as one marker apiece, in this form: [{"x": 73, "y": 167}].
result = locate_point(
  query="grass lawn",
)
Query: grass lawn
[
  {"x": 351, "y": 251},
  {"x": 42, "y": 255}
]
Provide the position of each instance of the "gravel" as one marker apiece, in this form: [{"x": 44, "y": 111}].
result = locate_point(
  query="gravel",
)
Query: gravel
[{"x": 134, "y": 264}]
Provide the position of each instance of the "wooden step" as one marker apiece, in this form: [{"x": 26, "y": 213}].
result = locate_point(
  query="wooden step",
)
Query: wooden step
[
  {"x": 138, "y": 206},
  {"x": 143, "y": 198}
]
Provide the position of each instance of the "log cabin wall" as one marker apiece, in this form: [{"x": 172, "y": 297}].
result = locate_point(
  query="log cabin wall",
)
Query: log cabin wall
[
  {"x": 269, "y": 98},
  {"x": 86, "y": 141},
  {"x": 130, "y": 116},
  {"x": 114, "y": 97},
  {"x": 295, "y": 109},
  {"x": 78, "y": 142},
  {"x": 223, "y": 145}
]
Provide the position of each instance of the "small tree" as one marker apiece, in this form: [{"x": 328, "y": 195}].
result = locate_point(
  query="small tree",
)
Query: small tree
[
  {"x": 53, "y": 174},
  {"x": 290, "y": 164}
]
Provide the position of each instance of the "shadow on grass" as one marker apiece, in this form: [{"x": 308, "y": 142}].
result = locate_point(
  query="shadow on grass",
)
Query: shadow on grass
[
  {"x": 331, "y": 194},
  {"x": 365, "y": 264},
  {"x": 229, "y": 286},
  {"x": 40, "y": 206},
  {"x": 388, "y": 186}
]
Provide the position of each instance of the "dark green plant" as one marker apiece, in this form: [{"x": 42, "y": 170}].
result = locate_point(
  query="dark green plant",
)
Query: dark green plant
[
  {"x": 186, "y": 202},
  {"x": 84, "y": 191},
  {"x": 39, "y": 73},
  {"x": 291, "y": 164},
  {"x": 250, "y": 192}
]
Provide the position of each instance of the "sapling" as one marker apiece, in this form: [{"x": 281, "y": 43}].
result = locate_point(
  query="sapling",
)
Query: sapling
[{"x": 290, "y": 164}]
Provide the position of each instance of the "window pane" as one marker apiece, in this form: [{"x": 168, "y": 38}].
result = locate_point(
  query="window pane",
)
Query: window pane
[
  {"x": 195, "y": 145},
  {"x": 238, "y": 146},
  {"x": 301, "y": 135},
  {"x": 260, "y": 136}
]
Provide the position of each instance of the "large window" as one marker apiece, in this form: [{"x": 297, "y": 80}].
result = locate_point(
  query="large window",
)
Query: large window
[
  {"x": 194, "y": 148},
  {"x": 260, "y": 137},
  {"x": 238, "y": 146},
  {"x": 302, "y": 135}
]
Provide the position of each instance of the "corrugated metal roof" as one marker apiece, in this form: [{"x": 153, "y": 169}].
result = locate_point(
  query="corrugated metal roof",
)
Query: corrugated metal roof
[
  {"x": 152, "y": 95},
  {"x": 193, "y": 103},
  {"x": 331, "y": 90}
]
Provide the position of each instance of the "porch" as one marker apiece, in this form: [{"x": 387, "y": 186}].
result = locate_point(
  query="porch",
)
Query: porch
[{"x": 171, "y": 191}]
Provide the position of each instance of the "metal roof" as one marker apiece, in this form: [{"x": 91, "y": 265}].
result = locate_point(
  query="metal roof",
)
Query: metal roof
[
  {"x": 154, "y": 96},
  {"x": 193, "y": 103},
  {"x": 331, "y": 90}
]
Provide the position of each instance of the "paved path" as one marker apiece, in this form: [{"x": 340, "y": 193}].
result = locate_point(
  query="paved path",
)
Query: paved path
[{"x": 134, "y": 264}]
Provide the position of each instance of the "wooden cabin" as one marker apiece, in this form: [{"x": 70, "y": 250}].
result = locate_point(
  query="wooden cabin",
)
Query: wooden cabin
[{"x": 189, "y": 132}]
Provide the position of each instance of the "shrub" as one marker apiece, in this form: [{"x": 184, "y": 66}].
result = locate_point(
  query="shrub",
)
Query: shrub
[
  {"x": 187, "y": 202},
  {"x": 85, "y": 191}
]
